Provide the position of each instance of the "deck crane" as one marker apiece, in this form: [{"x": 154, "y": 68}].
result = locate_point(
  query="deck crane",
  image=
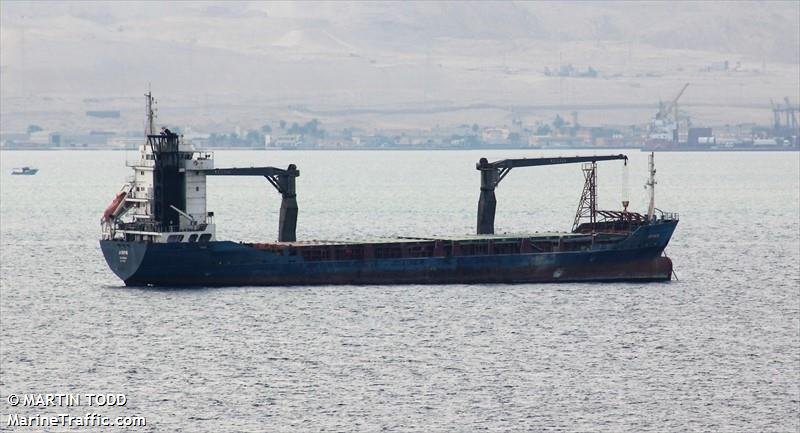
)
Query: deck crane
[
  {"x": 284, "y": 182},
  {"x": 494, "y": 172}
]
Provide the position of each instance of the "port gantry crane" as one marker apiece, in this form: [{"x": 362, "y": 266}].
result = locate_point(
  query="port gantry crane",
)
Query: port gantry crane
[
  {"x": 664, "y": 112},
  {"x": 494, "y": 172},
  {"x": 789, "y": 125}
]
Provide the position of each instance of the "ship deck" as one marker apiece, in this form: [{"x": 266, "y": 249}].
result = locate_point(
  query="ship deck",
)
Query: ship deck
[
  {"x": 441, "y": 246},
  {"x": 415, "y": 239}
]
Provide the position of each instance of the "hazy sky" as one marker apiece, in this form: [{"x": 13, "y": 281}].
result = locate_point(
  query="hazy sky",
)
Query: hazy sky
[{"x": 372, "y": 54}]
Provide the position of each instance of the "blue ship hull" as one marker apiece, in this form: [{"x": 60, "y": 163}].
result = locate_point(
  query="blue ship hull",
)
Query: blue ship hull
[{"x": 637, "y": 257}]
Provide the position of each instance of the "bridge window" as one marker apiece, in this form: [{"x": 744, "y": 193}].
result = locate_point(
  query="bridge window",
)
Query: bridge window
[
  {"x": 174, "y": 238},
  {"x": 193, "y": 238},
  {"x": 205, "y": 237}
]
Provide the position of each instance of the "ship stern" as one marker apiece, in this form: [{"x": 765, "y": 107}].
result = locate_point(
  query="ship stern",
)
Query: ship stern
[{"x": 124, "y": 258}]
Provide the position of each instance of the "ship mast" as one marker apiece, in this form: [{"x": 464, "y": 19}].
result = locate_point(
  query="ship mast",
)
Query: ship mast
[
  {"x": 587, "y": 207},
  {"x": 651, "y": 185},
  {"x": 150, "y": 128}
]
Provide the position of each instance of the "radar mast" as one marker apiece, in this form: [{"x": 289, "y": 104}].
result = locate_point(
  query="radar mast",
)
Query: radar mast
[
  {"x": 150, "y": 128},
  {"x": 651, "y": 186}
]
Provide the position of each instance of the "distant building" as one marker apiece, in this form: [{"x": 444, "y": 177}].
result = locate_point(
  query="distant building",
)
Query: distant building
[
  {"x": 699, "y": 136},
  {"x": 336, "y": 143},
  {"x": 40, "y": 137},
  {"x": 288, "y": 140},
  {"x": 86, "y": 140},
  {"x": 13, "y": 136},
  {"x": 495, "y": 135},
  {"x": 197, "y": 139},
  {"x": 128, "y": 143}
]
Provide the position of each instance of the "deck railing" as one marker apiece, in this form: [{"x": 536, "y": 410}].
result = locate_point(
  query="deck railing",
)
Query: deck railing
[{"x": 147, "y": 226}]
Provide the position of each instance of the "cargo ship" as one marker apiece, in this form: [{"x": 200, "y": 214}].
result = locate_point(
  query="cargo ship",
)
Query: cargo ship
[{"x": 157, "y": 231}]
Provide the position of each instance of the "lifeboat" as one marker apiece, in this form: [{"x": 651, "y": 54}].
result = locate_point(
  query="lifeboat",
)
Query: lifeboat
[{"x": 115, "y": 206}]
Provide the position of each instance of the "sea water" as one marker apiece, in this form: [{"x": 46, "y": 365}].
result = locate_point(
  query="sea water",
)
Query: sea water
[{"x": 716, "y": 349}]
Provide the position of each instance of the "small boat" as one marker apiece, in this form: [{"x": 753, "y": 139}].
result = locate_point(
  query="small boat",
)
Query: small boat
[{"x": 26, "y": 171}]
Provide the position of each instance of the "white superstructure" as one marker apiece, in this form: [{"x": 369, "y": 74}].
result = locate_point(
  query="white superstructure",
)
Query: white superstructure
[{"x": 132, "y": 213}]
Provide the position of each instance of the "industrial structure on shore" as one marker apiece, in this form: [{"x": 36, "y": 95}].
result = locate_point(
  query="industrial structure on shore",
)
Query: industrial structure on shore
[{"x": 665, "y": 131}]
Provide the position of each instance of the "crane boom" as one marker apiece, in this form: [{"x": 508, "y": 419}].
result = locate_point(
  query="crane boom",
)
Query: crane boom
[
  {"x": 494, "y": 172},
  {"x": 284, "y": 181},
  {"x": 674, "y": 103}
]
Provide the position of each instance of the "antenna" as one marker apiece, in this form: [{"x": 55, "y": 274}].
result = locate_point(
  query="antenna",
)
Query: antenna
[{"x": 150, "y": 113}]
